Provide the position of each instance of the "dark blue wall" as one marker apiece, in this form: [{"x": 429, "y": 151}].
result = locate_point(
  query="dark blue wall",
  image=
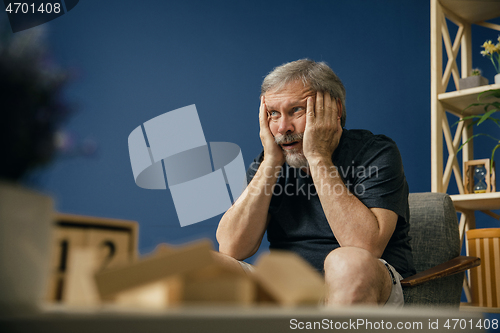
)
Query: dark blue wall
[{"x": 139, "y": 59}]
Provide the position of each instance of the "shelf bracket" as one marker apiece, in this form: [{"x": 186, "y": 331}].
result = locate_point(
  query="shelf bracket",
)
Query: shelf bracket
[
  {"x": 489, "y": 25},
  {"x": 452, "y": 52},
  {"x": 452, "y": 163},
  {"x": 490, "y": 213}
]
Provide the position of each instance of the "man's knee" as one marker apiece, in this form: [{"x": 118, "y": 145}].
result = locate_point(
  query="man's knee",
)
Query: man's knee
[
  {"x": 353, "y": 275},
  {"x": 348, "y": 261}
]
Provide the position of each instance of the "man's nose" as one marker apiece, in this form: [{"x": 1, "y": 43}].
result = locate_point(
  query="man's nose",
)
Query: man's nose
[{"x": 285, "y": 125}]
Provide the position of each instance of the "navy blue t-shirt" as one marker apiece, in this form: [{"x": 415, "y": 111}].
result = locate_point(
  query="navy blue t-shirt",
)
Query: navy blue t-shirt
[{"x": 371, "y": 168}]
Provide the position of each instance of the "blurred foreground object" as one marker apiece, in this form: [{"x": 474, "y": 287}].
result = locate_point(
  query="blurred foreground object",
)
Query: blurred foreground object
[
  {"x": 290, "y": 279},
  {"x": 32, "y": 110},
  {"x": 26, "y": 219},
  {"x": 108, "y": 242},
  {"x": 188, "y": 275},
  {"x": 31, "y": 103}
]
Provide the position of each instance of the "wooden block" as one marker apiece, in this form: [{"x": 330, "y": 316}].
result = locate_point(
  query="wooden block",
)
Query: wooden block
[
  {"x": 230, "y": 289},
  {"x": 65, "y": 240},
  {"x": 214, "y": 270},
  {"x": 81, "y": 222},
  {"x": 219, "y": 284},
  {"x": 158, "y": 294},
  {"x": 153, "y": 269},
  {"x": 115, "y": 241},
  {"x": 112, "y": 247},
  {"x": 289, "y": 279},
  {"x": 263, "y": 297},
  {"x": 80, "y": 288},
  {"x": 164, "y": 248}
]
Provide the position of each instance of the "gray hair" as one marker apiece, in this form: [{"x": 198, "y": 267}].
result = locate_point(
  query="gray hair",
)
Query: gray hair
[{"x": 317, "y": 75}]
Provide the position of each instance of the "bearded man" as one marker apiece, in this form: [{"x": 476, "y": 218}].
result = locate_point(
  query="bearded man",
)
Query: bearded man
[{"x": 336, "y": 197}]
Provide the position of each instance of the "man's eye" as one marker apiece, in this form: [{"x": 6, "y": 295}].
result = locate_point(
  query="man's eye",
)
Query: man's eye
[
  {"x": 298, "y": 109},
  {"x": 274, "y": 114}
]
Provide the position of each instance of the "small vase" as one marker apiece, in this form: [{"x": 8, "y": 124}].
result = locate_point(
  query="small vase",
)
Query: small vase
[
  {"x": 26, "y": 219},
  {"x": 497, "y": 79},
  {"x": 472, "y": 81}
]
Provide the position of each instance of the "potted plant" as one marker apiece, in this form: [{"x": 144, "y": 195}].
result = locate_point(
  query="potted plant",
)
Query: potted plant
[
  {"x": 31, "y": 100},
  {"x": 32, "y": 112},
  {"x": 490, "y": 108},
  {"x": 492, "y": 51},
  {"x": 475, "y": 80}
]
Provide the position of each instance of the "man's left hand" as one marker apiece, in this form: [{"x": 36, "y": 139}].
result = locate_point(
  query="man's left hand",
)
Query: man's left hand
[{"x": 323, "y": 127}]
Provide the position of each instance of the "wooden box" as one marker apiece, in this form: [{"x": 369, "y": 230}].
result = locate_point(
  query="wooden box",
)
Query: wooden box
[{"x": 114, "y": 241}]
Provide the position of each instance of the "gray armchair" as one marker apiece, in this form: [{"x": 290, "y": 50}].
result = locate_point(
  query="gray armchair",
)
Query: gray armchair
[{"x": 436, "y": 252}]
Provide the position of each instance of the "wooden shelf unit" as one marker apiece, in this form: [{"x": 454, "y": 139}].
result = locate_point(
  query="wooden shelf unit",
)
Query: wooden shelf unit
[{"x": 462, "y": 13}]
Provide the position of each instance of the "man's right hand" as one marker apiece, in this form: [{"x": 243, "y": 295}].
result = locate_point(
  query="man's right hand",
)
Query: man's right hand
[{"x": 272, "y": 151}]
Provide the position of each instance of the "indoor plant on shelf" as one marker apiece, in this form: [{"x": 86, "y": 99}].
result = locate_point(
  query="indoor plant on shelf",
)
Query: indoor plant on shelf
[
  {"x": 474, "y": 80},
  {"x": 490, "y": 108},
  {"x": 32, "y": 112},
  {"x": 492, "y": 51}
]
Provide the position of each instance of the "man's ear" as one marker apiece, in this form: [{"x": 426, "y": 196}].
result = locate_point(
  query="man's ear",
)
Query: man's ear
[{"x": 339, "y": 108}]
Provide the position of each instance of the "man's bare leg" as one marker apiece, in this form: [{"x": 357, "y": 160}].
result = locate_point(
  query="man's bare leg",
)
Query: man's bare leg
[{"x": 354, "y": 276}]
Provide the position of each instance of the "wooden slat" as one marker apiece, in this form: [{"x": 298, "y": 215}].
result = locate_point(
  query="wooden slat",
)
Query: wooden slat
[
  {"x": 451, "y": 66},
  {"x": 436, "y": 89},
  {"x": 466, "y": 50},
  {"x": 490, "y": 213},
  {"x": 489, "y": 25},
  {"x": 466, "y": 287},
  {"x": 451, "y": 152},
  {"x": 452, "y": 163}
]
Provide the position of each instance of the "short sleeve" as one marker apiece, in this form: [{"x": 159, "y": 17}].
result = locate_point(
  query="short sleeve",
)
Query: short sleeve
[{"x": 380, "y": 181}]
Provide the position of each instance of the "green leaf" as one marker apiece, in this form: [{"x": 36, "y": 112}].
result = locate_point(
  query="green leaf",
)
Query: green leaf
[
  {"x": 487, "y": 93},
  {"x": 475, "y": 136},
  {"x": 489, "y": 136},
  {"x": 493, "y": 155},
  {"x": 473, "y": 123},
  {"x": 472, "y": 105},
  {"x": 464, "y": 119},
  {"x": 486, "y": 116},
  {"x": 466, "y": 142},
  {"x": 495, "y": 120}
]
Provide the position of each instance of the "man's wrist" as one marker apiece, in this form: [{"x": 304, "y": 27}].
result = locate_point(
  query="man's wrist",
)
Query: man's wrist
[
  {"x": 320, "y": 162},
  {"x": 271, "y": 168},
  {"x": 270, "y": 162},
  {"x": 323, "y": 168}
]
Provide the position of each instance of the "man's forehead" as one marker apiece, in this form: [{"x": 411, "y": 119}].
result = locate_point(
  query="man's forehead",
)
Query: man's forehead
[
  {"x": 297, "y": 86},
  {"x": 290, "y": 93}
]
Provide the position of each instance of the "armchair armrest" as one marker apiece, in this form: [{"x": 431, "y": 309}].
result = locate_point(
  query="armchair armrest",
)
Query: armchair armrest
[{"x": 453, "y": 266}]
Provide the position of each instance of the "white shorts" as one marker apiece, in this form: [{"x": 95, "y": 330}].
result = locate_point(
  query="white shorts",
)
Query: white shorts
[{"x": 396, "y": 299}]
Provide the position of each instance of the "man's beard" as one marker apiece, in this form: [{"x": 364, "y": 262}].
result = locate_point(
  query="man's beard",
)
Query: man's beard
[{"x": 294, "y": 157}]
